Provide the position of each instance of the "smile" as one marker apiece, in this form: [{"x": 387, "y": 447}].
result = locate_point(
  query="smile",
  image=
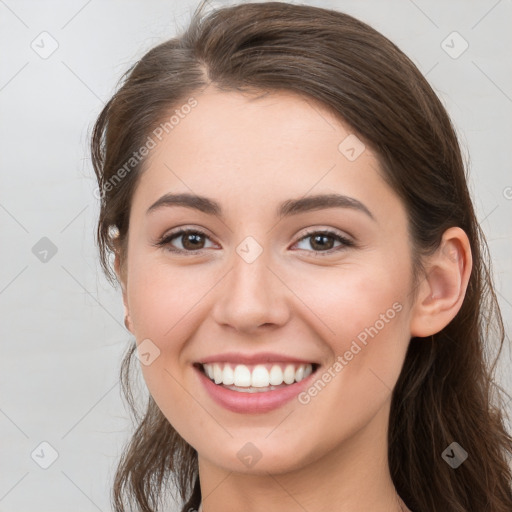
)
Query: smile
[
  {"x": 259, "y": 377},
  {"x": 254, "y": 386}
]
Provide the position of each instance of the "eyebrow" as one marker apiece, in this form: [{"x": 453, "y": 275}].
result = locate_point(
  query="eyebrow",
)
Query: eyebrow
[{"x": 286, "y": 209}]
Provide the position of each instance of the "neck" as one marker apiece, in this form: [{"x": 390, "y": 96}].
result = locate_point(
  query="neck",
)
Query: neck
[{"x": 351, "y": 477}]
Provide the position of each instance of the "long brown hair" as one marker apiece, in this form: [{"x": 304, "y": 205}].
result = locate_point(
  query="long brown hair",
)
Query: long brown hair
[{"x": 446, "y": 391}]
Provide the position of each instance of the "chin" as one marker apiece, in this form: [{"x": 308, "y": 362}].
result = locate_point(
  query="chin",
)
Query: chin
[{"x": 260, "y": 456}]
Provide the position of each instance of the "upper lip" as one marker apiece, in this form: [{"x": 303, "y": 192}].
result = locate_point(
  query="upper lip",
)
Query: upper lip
[{"x": 262, "y": 357}]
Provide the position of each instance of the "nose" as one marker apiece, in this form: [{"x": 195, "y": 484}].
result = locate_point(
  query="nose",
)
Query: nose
[{"x": 251, "y": 297}]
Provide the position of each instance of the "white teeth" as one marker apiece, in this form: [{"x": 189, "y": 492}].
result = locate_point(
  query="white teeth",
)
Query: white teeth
[
  {"x": 276, "y": 375},
  {"x": 242, "y": 376},
  {"x": 228, "y": 376},
  {"x": 217, "y": 373},
  {"x": 257, "y": 376},
  {"x": 289, "y": 374}
]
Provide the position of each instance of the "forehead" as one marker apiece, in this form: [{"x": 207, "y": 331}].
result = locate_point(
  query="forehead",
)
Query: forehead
[
  {"x": 255, "y": 148},
  {"x": 264, "y": 122}
]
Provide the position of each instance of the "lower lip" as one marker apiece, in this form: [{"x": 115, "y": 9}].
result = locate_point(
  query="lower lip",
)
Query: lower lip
[{"x": 255, "y": 403}]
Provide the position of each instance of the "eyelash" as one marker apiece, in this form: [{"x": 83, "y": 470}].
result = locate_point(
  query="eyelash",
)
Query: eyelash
[{"x": 166, "y": 241}]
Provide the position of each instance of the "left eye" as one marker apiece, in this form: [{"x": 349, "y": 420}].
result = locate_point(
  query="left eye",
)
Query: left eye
[
  {"x": 194, "y": 240},
  {"x": 320, "y": 240}
]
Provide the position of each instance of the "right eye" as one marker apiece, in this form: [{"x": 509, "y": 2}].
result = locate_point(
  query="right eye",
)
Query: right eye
[{"x": 191, "y": 241}]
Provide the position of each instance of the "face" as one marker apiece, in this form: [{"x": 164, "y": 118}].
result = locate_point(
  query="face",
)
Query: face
[{"x": 268, "y": 283}]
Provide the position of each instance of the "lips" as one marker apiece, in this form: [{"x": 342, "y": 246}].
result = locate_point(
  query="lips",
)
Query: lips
[
  {"x": 251, "y": 400},
  {"x": 254, "y": 383}
]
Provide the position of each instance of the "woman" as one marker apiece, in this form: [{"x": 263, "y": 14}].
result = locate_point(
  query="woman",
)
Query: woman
[{"x": 303, "y": 273}]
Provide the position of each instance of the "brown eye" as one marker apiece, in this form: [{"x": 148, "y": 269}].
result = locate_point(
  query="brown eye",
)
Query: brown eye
[
  {"x": 323, "y": 241},
  {"x": 191, "y": 240}
]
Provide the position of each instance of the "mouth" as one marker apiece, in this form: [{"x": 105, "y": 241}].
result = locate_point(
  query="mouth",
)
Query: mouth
[{"x": 256, "y": 378}]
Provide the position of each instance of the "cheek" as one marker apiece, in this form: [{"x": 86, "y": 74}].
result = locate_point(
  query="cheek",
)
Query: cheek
[
  {"x": 349, "y": 301},
  {"x": 361, "y": 313},
  {"x": 164, "y": 304},
  {"x": 160, "y": 296}
]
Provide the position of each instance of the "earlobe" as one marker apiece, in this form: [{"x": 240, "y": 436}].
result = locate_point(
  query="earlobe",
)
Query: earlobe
[
  {"x": 442, "y": 290},
  {"x": 128, "y": 321}
]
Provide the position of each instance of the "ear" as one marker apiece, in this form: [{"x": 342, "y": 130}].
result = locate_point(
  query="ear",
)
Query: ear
[
  {"x": 441, "y": 292},
  {"x": 122, "y": 280}
]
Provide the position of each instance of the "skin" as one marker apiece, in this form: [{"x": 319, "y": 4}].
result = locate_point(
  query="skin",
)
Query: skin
[{"x": 250, "y": 155}]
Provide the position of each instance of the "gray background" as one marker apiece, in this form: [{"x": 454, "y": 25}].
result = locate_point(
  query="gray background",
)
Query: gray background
[{"x": 62, "y": 331}]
